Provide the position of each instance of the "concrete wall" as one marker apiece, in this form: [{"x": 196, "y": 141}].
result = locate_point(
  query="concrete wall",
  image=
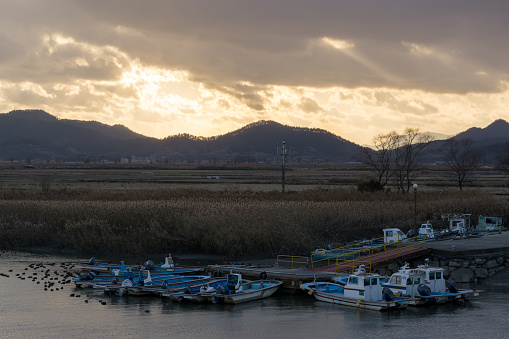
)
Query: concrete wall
[{"x": 461, "y": 270}]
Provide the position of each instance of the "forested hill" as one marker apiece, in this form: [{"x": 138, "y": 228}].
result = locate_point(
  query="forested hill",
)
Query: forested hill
[{"x": 37, "y": 135}]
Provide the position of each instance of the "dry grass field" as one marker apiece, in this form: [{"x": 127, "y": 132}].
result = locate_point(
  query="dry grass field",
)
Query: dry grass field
[{"x": 227, "y": 210}]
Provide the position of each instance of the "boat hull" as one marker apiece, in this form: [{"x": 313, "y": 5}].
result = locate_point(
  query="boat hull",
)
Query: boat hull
[
  {"x": 249, "y": 293},
  {"x": 359, "y": 303}
]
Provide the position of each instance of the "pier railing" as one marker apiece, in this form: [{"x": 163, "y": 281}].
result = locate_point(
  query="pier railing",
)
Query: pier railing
[
  {"x": 358, "y": 253},
  {"x": 293, "y": 260},
  {"x": 380, "y": 251}
]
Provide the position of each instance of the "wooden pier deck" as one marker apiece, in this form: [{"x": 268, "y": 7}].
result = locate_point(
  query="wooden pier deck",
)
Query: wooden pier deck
[
  {"x": 376, "y": 260},
  {"x": 293, "y": 277}
]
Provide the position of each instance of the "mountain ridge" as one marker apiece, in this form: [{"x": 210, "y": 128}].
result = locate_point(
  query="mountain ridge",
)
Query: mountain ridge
[{"x": 36, "y": 134}]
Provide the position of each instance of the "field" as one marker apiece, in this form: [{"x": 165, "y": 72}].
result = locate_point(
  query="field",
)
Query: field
[{"x": 227, "y": 210}]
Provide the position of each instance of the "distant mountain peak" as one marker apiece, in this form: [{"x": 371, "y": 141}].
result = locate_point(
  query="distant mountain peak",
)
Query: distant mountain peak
[
  {"x": 37, "y": 114},
  {"x": 497, "y": 129}
]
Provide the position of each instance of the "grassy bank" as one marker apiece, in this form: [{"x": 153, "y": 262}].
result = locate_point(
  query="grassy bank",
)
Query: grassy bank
[{"x": 230, "y": 223}]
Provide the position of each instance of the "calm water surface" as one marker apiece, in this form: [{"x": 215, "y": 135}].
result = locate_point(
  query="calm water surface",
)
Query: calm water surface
[{"x": 27, "y": 311}]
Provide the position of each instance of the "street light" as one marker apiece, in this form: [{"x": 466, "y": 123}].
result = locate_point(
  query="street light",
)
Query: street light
[
  {"x": 415, "y": 204},
  {"x": 283, "y": 152}
]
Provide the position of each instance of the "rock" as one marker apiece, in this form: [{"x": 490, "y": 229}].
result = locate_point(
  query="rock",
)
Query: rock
[
  {"x": 455, "y": 263},
  {"x": 491, "y": 264},
  {"x": 491, "y": 272},
  {"x": 393, "y": 267},
  {"x": 465, "y": 264},
  {"x": 481, "y": 272},
  {"x": 383, "y": 271},
  {"x": 434, "y": 263},
  {"x": 479, "y": 261},
  {"x": 500, "y": 260},
  {"x": 499, "y": 268},
  {"x": 462, "y": 275}
]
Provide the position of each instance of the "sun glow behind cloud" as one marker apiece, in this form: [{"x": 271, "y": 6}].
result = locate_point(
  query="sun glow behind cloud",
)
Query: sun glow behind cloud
[{"x": 104, "y": 83}]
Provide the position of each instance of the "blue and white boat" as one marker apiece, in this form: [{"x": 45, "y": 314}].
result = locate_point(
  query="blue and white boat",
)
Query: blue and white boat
[
  {"x": 145, "y": 284},
  {"x": 363, "y": 290},
  {"x": 118, "y": 270},
  {"x": 426, "y": 285},
  {"x": 238, "y": 290},
  {"x": 199, "y": 293}
]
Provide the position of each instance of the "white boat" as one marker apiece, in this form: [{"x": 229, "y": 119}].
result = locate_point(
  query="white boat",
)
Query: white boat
[
  {"x": 426, "y": 284},
  {"x": 363, "y": 290},
  {"x": 427, "y": 231},
  {"x": 237, "y": 291}
]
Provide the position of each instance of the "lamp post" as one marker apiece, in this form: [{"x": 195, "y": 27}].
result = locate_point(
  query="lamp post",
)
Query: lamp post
[
  {"x": 283, "y": 152},
  {"x": 415, "y": 204}
]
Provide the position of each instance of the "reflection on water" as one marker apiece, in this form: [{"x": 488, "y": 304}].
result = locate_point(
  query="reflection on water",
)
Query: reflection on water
[{"x": 27, "y": 311}]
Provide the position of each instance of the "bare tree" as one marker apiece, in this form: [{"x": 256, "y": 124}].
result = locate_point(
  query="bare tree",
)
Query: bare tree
[
  {"x": 410, "y": 145},
  {"x": 460, "y": 158},
  {"x": 503, "y": 159},
  {"x": 379, "y": 158},
  {"x": 46, "y": 182}
]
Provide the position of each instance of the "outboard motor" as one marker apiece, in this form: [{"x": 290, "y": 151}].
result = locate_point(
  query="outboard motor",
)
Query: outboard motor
[
  {"x": 87, "y": 276},
  {"x": 91, "y": 261},
  {"x": 149, "y": 265},
  {"x": 387, "y": 294},
  {"x": 329, "y": 247},
  {"x": 453, "y": 287},
  {"x": 164, "y": 285},
  {"x": 114, "y": 281},
  {"x": 221, "y": 290},
  {"x": 187, "y": 290},
  {"x": 424, "y": 290}
]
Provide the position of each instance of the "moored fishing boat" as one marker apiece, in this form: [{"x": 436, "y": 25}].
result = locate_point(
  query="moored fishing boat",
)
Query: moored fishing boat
[
  {"x": 118, "y": 270},
  {"x": 363, "y": 290},
  {"x": 238, "y": 291},
  {"x": 426, "y": 284}
]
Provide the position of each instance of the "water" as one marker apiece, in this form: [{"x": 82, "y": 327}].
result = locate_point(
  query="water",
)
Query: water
[{"x": 27, "y": 311}]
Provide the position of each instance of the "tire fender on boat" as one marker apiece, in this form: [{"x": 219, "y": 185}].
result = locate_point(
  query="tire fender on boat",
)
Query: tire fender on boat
[{"x": 263, "y": 275}]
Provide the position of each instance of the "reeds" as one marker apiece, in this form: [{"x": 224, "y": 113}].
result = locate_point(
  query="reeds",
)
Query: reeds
[{"x": 230, "y": 223}]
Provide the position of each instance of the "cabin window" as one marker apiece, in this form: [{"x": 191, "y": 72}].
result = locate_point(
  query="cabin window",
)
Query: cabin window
[
  {"x": 417, "y": 281},
  {"x": 409, "y": 281},
  {"x": 396, "y": 279},
  {"x": 374, "y": 281},
  {"x": 353, "y": 280},
  {"x": 389, "y": 233},
  {"x": 431, "y": 275},
  {"x": 439, "y": 275},
  {"x": 367, "y": 281}
]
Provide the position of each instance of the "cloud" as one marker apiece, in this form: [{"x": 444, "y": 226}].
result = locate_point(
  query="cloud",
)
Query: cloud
[{"x": 322, "y": 63}]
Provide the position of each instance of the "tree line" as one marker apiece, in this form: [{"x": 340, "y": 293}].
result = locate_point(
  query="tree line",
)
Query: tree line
[{"x": 397, "y": 157}]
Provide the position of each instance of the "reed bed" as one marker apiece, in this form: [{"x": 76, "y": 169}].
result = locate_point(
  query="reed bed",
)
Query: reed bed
[{"x": 230, "y": 223}]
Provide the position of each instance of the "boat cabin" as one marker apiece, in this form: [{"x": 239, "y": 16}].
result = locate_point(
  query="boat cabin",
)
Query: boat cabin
[
  {"x": 488, "y": 223},
  {"x": 234, "y": 283},
  {"x": 362, "y": 285},
  {"x": 393, "y": 234},
  {"x": 426, "y": 230},
  {"x": 168, "y": 263},
  {"x": 407, "y": 280}
]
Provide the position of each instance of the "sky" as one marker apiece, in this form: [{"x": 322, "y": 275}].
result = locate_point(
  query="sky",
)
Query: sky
[{"x": 207, "y": 67}]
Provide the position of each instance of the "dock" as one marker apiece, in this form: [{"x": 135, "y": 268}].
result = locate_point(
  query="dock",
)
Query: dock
[
  {"x": 292, "y": 277},
  {"x": 295, "y": 273}
]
